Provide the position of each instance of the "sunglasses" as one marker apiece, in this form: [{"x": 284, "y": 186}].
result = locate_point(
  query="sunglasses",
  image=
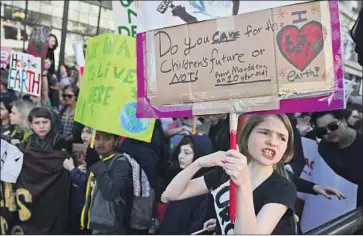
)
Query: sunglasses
[
  {"x": 321, "y": 131},
  {"x": 69, "y": 96}
]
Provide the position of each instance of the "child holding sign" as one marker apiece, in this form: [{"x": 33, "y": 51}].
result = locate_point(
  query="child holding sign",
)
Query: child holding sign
[{"x": 265, "y": 198}]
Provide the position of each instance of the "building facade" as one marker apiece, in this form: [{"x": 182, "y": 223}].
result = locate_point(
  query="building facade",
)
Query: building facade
[{"x": 71, "y": 22}]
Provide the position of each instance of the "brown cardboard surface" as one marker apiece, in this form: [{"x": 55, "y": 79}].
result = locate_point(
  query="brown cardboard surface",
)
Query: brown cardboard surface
[
  {"x": 237, "y": 105},
  {"x": 212, "y": 60},
  {"x": 304, "y": 57}
]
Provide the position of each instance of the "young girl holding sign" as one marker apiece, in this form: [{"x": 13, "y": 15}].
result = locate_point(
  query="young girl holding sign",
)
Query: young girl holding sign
[{"x": 265, "y": 197}]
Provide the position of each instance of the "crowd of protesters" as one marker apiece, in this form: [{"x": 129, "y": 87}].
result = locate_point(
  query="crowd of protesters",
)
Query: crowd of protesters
[{"x": 125, "y": 186}]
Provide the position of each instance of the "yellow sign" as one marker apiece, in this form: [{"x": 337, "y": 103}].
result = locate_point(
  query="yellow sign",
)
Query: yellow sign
[{"x": 107, "y": 100}]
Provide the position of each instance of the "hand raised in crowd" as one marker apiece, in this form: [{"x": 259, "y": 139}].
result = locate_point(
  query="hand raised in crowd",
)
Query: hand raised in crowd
[
  {"x": 328, "y": 191},
  {"x": 83, "y": 168},
  {"x": 210, "y": 225},
  {"x": 68, "y": 164},
  {"x": 15, "y": 141},
  {"x": 186, "y": 130},
  {"x": 303, "y": 125},
  {"x": 91, "y": 156}
]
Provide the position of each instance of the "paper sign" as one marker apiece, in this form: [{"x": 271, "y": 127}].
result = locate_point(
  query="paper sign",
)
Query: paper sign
[
  {"x": 79, "y": 152},
  {"x": 5, "y": 57},
  {"x": 304, "y": 56},
  {"x": 25, "y": 73},
  {"x": 78, "y": 51},
  {"x": 125, "y": 17},
  {"x": 107, "y": 100},
  {"x": 165, "y": 13},
  {"x": 317, "y": 171},
  {"x": 11, "y": 162},
  {"x": 331, "y": 102},
  {"x": 207, "y": 62}
]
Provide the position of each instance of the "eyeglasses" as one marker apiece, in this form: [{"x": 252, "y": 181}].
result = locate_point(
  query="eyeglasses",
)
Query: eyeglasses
[
  {"x": 321, "y": 131},
  {"x": 69, "y": 96}
]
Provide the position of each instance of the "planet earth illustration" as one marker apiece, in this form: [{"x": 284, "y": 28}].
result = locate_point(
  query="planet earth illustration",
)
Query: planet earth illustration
[{"x": 130, "y": 122}]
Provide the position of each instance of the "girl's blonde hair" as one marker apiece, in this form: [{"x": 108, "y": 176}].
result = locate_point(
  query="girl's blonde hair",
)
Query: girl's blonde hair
[
  {"x": 24, "y": 108},
  {"x": 246, "y": 131}
]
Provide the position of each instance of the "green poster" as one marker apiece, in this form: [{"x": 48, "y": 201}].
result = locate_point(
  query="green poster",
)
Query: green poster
[{"x": 107, "y": 100}]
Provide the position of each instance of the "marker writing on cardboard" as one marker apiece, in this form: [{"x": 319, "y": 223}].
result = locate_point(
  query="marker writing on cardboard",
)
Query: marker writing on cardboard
[
  {"x": 164, "y": 50},
  {"x": 299, "y": 14},
  {"x": 308, "y": 73}
]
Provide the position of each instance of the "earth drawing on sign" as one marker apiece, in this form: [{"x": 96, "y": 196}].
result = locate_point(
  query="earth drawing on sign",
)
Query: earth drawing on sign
[
  {"x": 130, "y": 122},
  {"x": 301, "y": 46}
]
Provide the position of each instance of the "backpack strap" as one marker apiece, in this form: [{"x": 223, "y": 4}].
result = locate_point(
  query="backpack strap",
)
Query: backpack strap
[{"x": 118, "y": 156}]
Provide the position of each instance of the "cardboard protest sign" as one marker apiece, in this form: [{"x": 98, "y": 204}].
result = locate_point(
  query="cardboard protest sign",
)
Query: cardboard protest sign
[
  {"x": 25, "y": 73},
  {"x": 304, "y": 56},
  {"x": 166, "y": 13},
  {"x": 332, "y": 101},
  {"x": 107, "y": 100},
  {"x": 125, "y": 17},
  {"x": 206, "y": 62}
]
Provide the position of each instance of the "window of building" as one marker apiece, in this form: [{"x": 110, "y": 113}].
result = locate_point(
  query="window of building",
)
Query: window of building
[
  {"x": 74, "y": 5},
  {"x": 34, "y": 6}
]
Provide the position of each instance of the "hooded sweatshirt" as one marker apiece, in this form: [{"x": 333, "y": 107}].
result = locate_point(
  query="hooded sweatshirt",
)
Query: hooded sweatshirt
[{"x": 188, "y": 215}]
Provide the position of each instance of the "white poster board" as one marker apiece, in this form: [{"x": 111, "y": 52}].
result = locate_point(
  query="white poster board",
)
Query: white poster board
[
  {"x": 125, "y": 17},
  {"x": 11, "y": 162},
  {"x": 165, "y": 13},
  {"x": 25, "y": 74},
  {"x": 317, "y": 209}
]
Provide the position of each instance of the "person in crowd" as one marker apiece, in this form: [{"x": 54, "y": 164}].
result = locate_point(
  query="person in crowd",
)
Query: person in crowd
[
  {"x": 5, "y": 110},
  {"x": 340, "y": 147},
  {"x": 265, "y": 198},
  {"x": 86, "y": 135},
  {"x": 53, "y": 86},
  {"x": 52, "y": 46},
  {"x": 354, "y": 120},
  {"x": 108, "y": 189},
  {"x": 74, "y": 75},
  {"x": 18, "y": 118},
  {"x": 297, "y": 164},
  {"x": 64, "y": 78},
  {"x": 186, "y": 216},
  {"x": 79, "y": 178},
  {"x": 6, "y": 93},
  {"x": 177, "y": 130},
  {"x": 219, "y": 132},
  {"x": 43, "y": 177},
  {"x": 71, "y": 129}
]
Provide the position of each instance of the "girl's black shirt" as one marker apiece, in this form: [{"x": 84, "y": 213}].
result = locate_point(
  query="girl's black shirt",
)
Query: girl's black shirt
[{"x": 275, "y": 189}]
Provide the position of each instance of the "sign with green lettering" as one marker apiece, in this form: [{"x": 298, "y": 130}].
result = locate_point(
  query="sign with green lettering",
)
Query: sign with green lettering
[
  {"x": 125, "y": 17},
  {"x": 107, "y": 100}
]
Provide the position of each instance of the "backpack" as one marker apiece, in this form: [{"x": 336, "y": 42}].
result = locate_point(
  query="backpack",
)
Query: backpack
[{"x": 141, "y": 208}]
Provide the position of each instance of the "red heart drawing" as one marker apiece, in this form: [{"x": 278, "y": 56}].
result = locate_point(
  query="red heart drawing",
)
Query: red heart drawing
[{"x": 301, "y": 46}]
